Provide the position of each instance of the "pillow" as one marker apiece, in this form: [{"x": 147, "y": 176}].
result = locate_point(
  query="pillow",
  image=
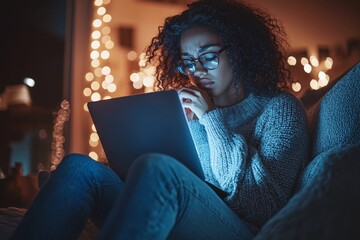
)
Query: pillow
[
  {"x": 327, "y": 207},
  {"x": 338, "y": 115}
]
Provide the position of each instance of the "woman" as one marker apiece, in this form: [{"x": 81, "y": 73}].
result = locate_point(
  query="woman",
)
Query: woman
[{"x": 226, "y": 60}]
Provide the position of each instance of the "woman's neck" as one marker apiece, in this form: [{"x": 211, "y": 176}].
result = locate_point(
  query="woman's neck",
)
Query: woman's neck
[{"x": 231, "y": 99}]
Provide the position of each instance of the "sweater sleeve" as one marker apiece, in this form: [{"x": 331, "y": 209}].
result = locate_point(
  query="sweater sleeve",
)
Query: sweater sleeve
[
  {"x": 259, "y": 172},
  {"x": 200, "y": 139}
]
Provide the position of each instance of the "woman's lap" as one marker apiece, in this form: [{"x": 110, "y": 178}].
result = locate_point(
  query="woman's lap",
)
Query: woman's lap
[
  {"x": 180, "y": 205},
  {"x": 161, "y": 198}
]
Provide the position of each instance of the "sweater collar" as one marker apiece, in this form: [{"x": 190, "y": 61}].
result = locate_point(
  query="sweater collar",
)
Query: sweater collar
[{"x": 251, "y": 106}]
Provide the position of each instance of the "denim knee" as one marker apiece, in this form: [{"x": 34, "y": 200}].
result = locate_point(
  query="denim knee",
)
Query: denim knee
[
  {"x": 76, "y": 162},
  {"x": 81, "y": 166},
  {"x": 156, "y": 163}
]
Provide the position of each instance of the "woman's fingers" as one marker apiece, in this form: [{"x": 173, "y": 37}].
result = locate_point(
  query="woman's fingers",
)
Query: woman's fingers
[
  {"x": 193, "y": 100},
  {"x": 189, "y": 91}
]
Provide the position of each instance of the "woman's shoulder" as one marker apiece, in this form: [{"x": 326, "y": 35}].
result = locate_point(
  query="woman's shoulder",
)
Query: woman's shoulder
[
  {"x": 284, "y": 98},
  {"x": 284, "y": 101}
]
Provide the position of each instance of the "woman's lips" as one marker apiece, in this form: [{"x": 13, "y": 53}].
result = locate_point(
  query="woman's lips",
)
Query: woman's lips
[{"x": 205, "y": 83}]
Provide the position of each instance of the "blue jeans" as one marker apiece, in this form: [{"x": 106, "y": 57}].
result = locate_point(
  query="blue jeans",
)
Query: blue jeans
[{"x": 160, "y": 199}]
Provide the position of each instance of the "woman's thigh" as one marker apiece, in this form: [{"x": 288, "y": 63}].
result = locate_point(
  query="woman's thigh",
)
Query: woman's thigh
[
  {"x": 204, "y": 215},
  {"x": 190, "y": 207}
]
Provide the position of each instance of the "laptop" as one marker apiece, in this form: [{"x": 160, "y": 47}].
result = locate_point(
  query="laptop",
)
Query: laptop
[{"x": 155, "y": 122}]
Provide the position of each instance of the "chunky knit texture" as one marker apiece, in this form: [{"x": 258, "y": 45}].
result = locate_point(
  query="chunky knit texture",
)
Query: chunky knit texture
[
  {"x": 254, "y": 151},
  {"x": 339, "y": 112},
  {"x": 327, "y": 203}
]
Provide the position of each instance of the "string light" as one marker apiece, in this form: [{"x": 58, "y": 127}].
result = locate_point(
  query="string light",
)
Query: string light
[
  {"x": 296, "y": 87},
  {"x": 315, "y": 68},
  {"x": 57, "y": 148},
  {"x": 145, "y": 77},
  {"x": 99, "y": 80},
  {"x": 291, "y": 60}
]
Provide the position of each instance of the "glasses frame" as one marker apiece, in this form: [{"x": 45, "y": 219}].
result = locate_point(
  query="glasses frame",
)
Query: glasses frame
[{"x": 195, "y": 60}]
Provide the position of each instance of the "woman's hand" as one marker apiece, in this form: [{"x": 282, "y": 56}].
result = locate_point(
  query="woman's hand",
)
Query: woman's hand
[{"x": 195, "y": 101}]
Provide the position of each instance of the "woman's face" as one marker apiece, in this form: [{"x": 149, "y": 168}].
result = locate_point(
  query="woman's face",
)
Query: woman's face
[{"x": 218, "y": 83}]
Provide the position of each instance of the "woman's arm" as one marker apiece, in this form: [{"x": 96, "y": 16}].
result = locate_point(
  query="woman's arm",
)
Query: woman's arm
[{"x": 259, "y": 173}]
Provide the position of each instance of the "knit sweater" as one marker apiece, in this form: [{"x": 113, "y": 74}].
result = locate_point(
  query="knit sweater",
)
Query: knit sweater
[{"x": 254, "y": 151}]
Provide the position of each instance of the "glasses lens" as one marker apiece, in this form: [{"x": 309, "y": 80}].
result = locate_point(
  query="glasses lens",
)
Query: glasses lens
[
  {"x": 186, "y": 66},
  {"x": 209, "y": 60}
]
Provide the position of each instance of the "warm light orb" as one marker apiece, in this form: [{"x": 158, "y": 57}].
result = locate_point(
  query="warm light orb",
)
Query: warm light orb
[
  {"x": 134, "y": 77},
  {"x": 314, "y": 61},
  {"x": 85, "y": 107},
  {"x": 112, "y": 87},
  {"x": 106, "y": 70},
  {"x": 96, "y": 34},
  {"x": 105, "y": 54},
  {"x": 94, "y": 54},
  {"x": 95, "y": 86},
  {"x": 98, "y": 3},
  {"x": 323, "y": 82},
  {"x": 94, "y": 155},
  {"x": 107, "y": 18},
  {"x": 150, "y": 70},
  {"x": 98, "y": 72},
  {"x": 307, "y": 68},
  {"x": 97, "y": 23},
  {"x": 106, "y": 30},
  {"x": 29, "y": 82},
  {"x": 105, "y": 85},
  {"x": 94, "y": 137},
  {"x": 93, "y": 144},
  {"x": 296, "y": 87},
  {"x": 291, "y": 61},
  {"x": 148, "y": 81},
  {"x": 138, "y": 84},
  {"x": 95, "y": 63},
  {"x": 105, "y": 39},
  {"x": 89, "y": 76},
  {"x": 101, "y": 11},
  {"x": 95, "y": 44},
  {"x": 131, "y": 56},
  {"x": 322, "y": 75},
  {"x": 142, "y": 63},
  {"x": 329, "y": 62},
  {"x": 87, "y": 92},
  {"x": 95, "y": 97},
  {"x": 109, "y": 78},
  {"x": 314, "y": 84},
  {"x": 109, "y": 44},
  {"x": 304, "y": 61}
]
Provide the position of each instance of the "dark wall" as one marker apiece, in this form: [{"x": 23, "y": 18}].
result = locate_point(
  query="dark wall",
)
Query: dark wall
[{"x": 32, "y": 45}]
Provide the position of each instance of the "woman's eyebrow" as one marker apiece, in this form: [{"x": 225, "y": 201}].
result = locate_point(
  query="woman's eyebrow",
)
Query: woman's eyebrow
[
  {"x": 202, "y": 49},
  {"x": 207, "y": 46}
]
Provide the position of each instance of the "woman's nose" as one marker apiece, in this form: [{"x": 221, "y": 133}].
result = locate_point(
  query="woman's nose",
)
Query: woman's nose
[{"x": 199, "y": 70}]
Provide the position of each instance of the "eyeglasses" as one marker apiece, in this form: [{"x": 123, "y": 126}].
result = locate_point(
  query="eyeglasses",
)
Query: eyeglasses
[{"x": 209, "y": 61}]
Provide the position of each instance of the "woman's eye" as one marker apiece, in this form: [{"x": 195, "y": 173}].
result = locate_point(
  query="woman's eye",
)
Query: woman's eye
[
  {"x": 188, "y": 63},
  {"x": 209, "y": 57}
]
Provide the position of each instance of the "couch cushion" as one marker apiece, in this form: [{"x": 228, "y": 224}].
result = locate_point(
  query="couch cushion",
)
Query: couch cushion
[
  {"x": 338, "y": 116},
  {"x": 328, "y": 205},
  {"x": 337, "y": 122}
]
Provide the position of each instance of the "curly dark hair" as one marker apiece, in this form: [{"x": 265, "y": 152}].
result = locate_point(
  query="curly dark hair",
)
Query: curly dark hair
[{"x": 255, "y": 40}]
